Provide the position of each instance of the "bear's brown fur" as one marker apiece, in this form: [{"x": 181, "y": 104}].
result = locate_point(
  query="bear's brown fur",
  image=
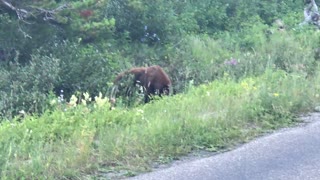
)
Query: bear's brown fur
[{"x": 153, "y": 79}]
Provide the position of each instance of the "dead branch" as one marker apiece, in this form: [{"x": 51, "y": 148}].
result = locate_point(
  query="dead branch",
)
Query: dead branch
[
  {"x": 34, "y": 13},
  {"x": 21, "y": 13},
  {"x": 50, "y": 14}
]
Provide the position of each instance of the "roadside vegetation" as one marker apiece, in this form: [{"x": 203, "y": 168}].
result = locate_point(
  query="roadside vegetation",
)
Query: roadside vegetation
[{"x": 235, "y": 77}]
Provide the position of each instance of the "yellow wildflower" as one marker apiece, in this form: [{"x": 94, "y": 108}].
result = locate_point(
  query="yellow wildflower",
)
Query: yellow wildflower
[{"x": 245, "y": 85}]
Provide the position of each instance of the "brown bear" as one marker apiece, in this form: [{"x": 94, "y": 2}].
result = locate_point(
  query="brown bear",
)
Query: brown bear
[{"x": 153, "y": 80}]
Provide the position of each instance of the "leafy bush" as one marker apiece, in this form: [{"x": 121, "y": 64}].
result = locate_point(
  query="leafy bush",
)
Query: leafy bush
[
  {"x": 24, "y": 88},
  {"x": 196, "y": 60},
  {"x": 157, "y": 22},
  {"x": 83, "y": 69}
]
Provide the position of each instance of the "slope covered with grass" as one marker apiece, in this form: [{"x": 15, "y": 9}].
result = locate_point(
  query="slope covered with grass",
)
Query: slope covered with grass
[{"x": 90, "y": 139}]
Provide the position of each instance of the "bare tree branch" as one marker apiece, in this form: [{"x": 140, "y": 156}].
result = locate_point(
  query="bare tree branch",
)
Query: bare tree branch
[
  {"x": 21, "y": 13},
  {"x": 50, "y": 14},
  {"x": 29, "y": 14},
  {"x": 34, "y": 12}
]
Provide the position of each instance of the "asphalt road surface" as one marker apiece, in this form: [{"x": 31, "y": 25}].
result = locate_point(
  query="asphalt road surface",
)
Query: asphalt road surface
[{"x": 290, "y": 154}]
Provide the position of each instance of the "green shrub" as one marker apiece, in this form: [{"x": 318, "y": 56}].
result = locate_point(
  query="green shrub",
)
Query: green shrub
[
  {"x": 24, "y": 88},
  {"x": 83, "y": 68},
  {"x": 289, "y": 54}
]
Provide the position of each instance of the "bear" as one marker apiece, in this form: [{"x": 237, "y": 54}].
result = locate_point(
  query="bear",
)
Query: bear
[{"x": 153, "y": 79}]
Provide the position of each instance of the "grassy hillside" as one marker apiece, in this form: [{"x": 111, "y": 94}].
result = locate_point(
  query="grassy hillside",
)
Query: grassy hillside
[
  {"x": 76, "y": 140},
  {"x": 235, "y": 73}
]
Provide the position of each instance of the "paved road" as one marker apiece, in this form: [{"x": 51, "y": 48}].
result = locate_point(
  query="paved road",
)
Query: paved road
[{"x": 291, "y": 154}]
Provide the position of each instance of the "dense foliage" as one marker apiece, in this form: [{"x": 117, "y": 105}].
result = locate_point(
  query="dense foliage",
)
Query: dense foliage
[
  {"x": 238, "y": 67},
  {"x": 79, "y": 46}
]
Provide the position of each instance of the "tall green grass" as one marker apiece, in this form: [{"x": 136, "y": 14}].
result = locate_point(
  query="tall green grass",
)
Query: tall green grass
[
  {"x": 254, "y": 91},
  {"x": 92, "y": 141}
]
